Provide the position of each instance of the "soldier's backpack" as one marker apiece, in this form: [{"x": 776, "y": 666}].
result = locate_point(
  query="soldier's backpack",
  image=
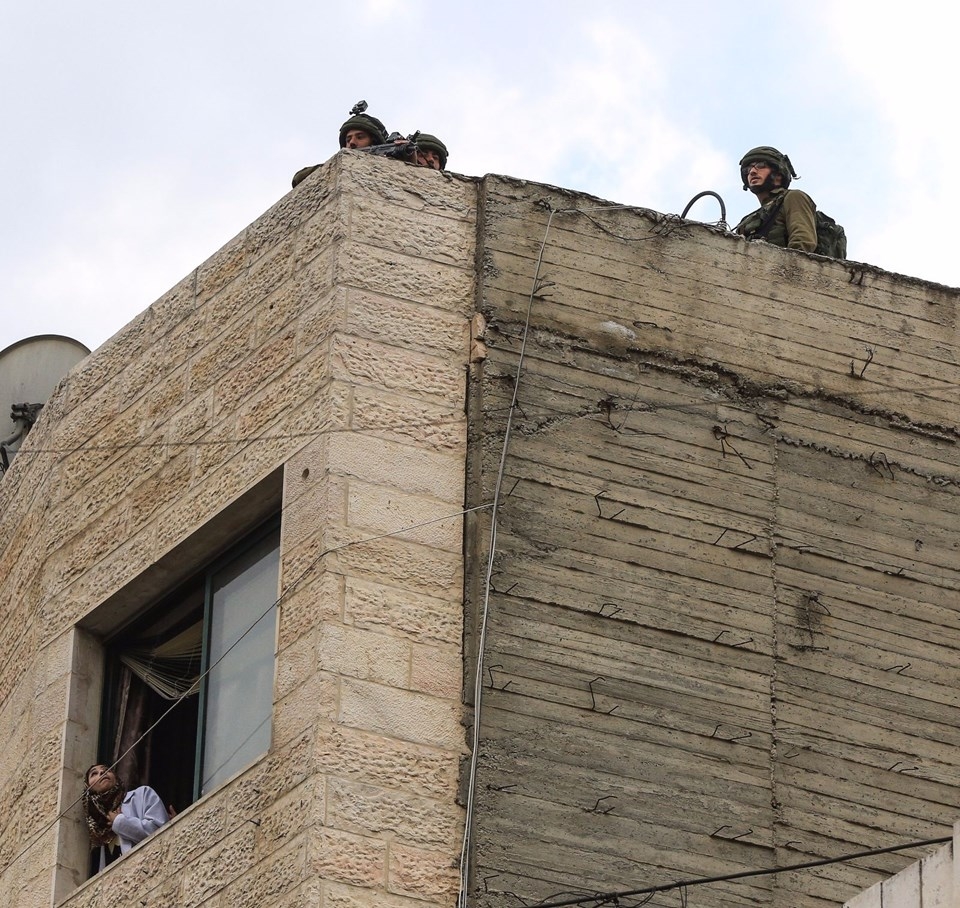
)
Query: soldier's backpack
[{"x": 831, "y": 237}]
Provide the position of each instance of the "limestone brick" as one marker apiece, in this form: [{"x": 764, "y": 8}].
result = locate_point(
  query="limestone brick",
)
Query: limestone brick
[
  {"x": 183, "y": 342},
  {"x": 265, "y": 362},
  {"x": 413, "y": 188},
  {"x": 174, "y": 307},
  {"x": 345, "y": 858},
  {"x": 166, "y": 398},
  {"x": 382, "y": 366},
  {"x": 227, "y": 861},
  {"x": 317, "y": 278},
  {"x": 270, "y": 271},
  {"x": 413, "y": 232},
  {"x": 190, "y": 834},
  {"x": 436, "y": 670},
  {"x": 165, "y": 486},
  {"x": 425, "y": 423},
  {"x": 395, "y": 562},
  {"x": 323, "y": 313},
  {"x": 302, "y": 389},
  {"x": 318, "y": 599},
  {"x": 270, "y": 879},
  {"x": 288, "y": 818},
  {"x": 356, "y": 653},
  {"x": 317, "y": 697},
  {"x": 405, "y": 467},
  {"x": 422, "y": 873},
  {"x": 350, "y": 753},
  {"x": 379, "y": 509},
  {"x": 191, "y": 420},
  {"x": 296, "y": 662},
  {"x": 338, "y": 895},
  {"x": 222, "y": 268},
  {"x": 293, "y": 210},
  {"x": 409, "y": 613},
  {"x": 215, "y": 360},
  {"x": 97, "y": 374},
  {"x": 371, "y": 810},
  {"x": 280, "y": 310},
  {"x": 319, "y": 231},
  {"x": 408, "y": 716}
]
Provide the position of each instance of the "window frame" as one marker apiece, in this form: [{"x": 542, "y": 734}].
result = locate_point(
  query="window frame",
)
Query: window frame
[{"x": 203, "y": 577}]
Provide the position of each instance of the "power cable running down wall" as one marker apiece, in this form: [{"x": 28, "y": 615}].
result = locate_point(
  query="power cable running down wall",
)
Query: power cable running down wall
[{"x": 538, "y": 284}]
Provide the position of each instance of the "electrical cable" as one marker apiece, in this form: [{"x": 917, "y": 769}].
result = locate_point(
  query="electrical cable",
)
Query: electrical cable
[
  {"x": 604, "y": 898},
  {"x": 485, "y": 611}
]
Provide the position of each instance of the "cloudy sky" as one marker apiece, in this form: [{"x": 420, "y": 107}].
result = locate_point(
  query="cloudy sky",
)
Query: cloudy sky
[{"x": 140, "y": 137}]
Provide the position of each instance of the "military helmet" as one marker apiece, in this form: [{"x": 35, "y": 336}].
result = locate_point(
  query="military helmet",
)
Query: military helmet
[
  {"x": 425, "y": 140},
  {"x": 360, "y": 120},
  {"x": 776, "y": 159}
]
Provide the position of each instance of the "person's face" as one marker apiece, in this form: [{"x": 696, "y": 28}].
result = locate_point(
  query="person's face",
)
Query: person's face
[
  {"x": 427, "y": 157},
  {"x": 100, "y": 778},
  {"x": 358, "y": 138},
  {"x": 759, "y": 171}
]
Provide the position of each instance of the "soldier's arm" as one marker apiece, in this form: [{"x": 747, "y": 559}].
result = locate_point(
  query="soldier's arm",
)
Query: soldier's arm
[{"x": 800, "y": 215}]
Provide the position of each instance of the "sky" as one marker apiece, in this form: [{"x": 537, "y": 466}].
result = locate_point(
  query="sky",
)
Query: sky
[{"x": 138, "y": 138}]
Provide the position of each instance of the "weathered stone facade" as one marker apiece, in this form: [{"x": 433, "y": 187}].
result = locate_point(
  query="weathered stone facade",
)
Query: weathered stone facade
[
  {"x": 723, "y": 610},
  {"x": 325, "y": 343}
]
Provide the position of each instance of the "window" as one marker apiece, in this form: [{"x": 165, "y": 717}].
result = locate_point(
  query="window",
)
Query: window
[{"x": 188, "y": 685}]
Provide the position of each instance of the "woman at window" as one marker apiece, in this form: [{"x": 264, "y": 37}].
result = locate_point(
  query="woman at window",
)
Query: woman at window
[{"x": 117, "y": 816}]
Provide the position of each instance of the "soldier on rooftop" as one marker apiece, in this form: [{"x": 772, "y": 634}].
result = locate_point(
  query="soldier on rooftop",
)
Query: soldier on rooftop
[{"x": 786, "y": 217}]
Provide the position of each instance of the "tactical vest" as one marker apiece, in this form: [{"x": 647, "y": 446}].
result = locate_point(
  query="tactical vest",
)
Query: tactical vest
[
  {"x": 831, "y": 237},
  {"x": 777, "y": 235}
]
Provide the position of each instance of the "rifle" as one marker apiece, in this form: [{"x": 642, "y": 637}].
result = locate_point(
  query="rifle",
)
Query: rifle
[{"x": 396, "y": 146}]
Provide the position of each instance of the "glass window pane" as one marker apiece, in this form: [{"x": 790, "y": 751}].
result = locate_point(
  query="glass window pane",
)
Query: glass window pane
[{"x": 239, "y": 699}]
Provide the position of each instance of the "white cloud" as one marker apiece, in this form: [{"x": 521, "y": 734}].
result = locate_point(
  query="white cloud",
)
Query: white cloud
[{"x": 902, "y": 64}]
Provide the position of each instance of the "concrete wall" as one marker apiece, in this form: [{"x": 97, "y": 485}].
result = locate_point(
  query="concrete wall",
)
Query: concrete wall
[
  {"x": 325, "y": 347},
  {"x": 724, "y": 616}
]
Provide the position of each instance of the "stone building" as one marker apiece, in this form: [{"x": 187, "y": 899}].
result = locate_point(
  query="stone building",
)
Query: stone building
[{"x": 250, "y": 538}]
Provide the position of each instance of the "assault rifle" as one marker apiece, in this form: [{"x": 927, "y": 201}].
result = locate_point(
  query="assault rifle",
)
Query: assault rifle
[{"x": 396, "y": 146}]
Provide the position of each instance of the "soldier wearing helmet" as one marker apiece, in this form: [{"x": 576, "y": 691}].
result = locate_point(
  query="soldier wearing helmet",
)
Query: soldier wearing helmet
[
  {"x": 786, "y": 217},
  {"x": 430, "y": 152},
  {"x": 360, "y": 131}
]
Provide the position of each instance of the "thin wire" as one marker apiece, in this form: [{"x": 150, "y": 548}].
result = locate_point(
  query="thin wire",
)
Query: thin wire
[
  {"x": 605, "y": 897},
  {"x": 200, "y": 442},
  {"x": 920, "y": 390},
  {"x": 478, "y": 678},
  {"x": 284, "y": 595}
]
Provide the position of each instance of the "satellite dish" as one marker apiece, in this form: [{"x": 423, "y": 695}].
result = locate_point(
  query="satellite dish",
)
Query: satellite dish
[{"x": 29, "y": 371}]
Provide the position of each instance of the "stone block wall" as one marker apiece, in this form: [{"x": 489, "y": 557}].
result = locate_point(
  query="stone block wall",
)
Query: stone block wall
[{"x": 316, "y": 365}]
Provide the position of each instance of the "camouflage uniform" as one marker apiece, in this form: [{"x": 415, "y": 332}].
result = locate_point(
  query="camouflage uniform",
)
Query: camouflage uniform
[{"x": 794, "y": 226}]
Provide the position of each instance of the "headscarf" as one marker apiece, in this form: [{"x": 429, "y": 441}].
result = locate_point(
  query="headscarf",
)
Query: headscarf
[{"x": 96, "y": 806}]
